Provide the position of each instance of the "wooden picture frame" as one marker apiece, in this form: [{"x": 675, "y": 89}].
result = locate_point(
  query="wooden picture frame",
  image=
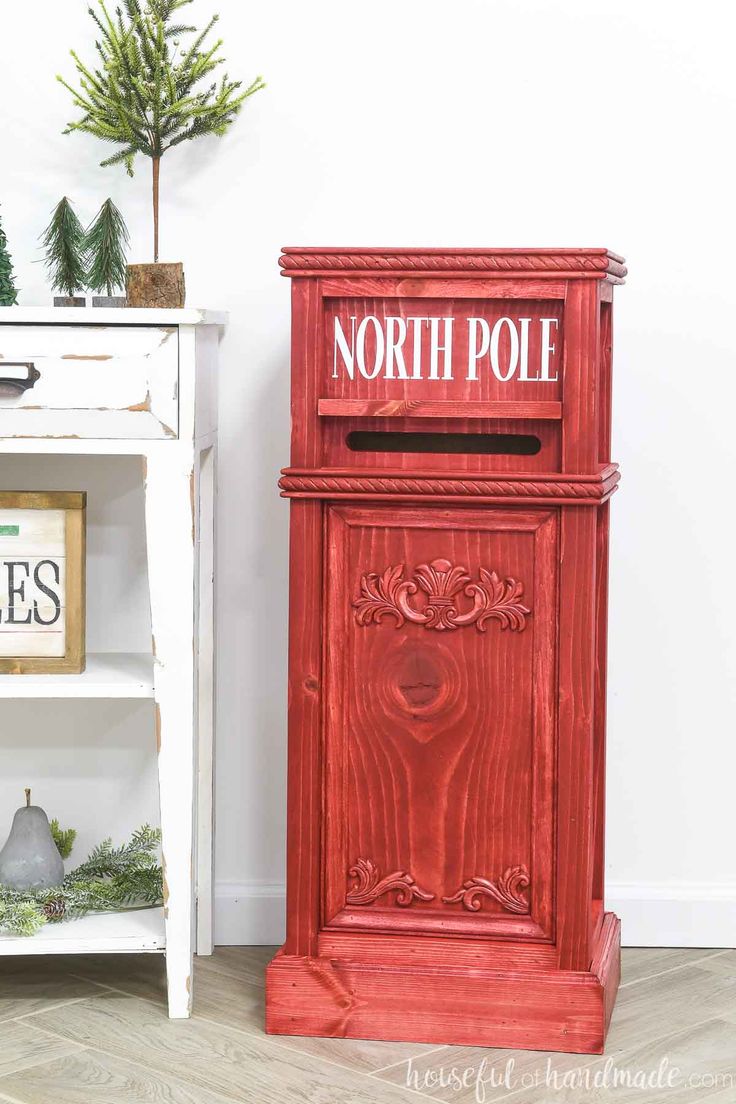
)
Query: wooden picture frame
[{"x": 13, "y": 588}]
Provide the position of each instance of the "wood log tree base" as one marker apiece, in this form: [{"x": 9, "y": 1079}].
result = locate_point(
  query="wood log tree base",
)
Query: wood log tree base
[
  {"x": 450, "y": 480},
  {"x": 155, "y": 285}
]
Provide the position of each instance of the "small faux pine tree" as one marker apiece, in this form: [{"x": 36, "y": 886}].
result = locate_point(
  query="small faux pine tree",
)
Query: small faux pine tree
[
  {"x": 8, "y": 290},
  {"x": 145, "y": 93},
  {"x": 64, "y": 242},
  {"x": 106, "y": 241}
]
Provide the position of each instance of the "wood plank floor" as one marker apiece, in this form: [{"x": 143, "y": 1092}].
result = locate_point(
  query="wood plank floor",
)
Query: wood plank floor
[{"x": 94, "y": 1028}]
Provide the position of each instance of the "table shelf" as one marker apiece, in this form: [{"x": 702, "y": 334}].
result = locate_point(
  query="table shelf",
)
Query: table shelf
[
  {"x": 134, "y": 930},
  {"x": 141, "y": 440},
  {"x": 107, "y": 675}
]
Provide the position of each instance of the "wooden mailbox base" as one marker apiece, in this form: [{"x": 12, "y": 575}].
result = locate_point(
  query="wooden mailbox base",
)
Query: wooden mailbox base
[{"x": 529, "y": 1009}]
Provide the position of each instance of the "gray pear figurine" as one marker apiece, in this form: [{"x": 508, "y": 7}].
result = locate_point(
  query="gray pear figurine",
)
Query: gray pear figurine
[{"x": 30, "y": 859}]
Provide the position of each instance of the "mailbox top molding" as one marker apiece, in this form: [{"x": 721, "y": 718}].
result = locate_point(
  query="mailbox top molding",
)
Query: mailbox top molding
[{"x": 596, "y": 264}]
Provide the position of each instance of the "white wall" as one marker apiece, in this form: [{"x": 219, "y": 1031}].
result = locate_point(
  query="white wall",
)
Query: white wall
[{"x": 477, "y": 122}]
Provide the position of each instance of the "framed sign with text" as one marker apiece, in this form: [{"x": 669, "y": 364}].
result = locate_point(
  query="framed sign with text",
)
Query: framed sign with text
[{"x": 42, "y": 582}]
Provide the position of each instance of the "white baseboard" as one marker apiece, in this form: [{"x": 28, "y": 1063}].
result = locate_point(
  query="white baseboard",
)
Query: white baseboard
[
  {"x": 249, "y": 914},
  {"x": 684, "y": 915}
]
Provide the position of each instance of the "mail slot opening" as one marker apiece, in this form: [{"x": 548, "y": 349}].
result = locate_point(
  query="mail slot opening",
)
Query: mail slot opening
[{"x": 489, "y": 444}]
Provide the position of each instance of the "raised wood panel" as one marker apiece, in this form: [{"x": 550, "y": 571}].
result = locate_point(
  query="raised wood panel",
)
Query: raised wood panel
[{"x": 439, "y": 744}]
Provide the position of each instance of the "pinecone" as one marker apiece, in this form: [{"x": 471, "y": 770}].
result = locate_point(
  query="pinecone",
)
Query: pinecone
[{"x": 55, "y": 909}]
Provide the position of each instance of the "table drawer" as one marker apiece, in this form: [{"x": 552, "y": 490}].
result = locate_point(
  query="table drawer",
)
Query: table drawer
[{"x": 89, "y": 381}]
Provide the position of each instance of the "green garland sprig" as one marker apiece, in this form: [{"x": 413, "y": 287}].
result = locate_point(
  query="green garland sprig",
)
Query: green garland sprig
[
  {"x": 112, "y": 878},
  {"x": 63, "y": 838}
]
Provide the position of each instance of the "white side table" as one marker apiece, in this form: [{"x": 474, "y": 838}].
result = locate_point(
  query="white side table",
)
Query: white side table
[{"x": 143, "y": 383}]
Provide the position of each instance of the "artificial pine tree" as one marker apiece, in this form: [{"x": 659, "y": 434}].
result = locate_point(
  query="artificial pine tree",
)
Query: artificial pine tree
[
  {"x": 106, "y": 241},
  {"x": 145, "y": 92},
  {"x": 64, "y": 242},
  {"x": 8, "y": 291}
]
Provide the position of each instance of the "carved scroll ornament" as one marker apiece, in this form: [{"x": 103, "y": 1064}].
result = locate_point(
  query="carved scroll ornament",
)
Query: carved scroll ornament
[
  {"x": 507, "y": 891},
  {"x": 369, "y": 886},
  {"x": 388, "y": 595}
]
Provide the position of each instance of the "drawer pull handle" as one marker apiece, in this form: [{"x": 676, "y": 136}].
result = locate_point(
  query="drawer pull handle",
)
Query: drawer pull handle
[{"x": 11, "y": 386}]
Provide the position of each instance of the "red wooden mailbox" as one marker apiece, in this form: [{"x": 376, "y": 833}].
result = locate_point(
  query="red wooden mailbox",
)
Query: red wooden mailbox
[{"x": 449, "y": 492}]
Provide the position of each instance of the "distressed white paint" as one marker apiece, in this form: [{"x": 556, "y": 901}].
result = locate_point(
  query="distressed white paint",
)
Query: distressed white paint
[
  {"x": 205, "y": 686},
  {"x": 180, "y": 570},
  {"x": 109, "y": 316},
  {"x": 105, "y": 933},
  {"x": 94, "y": 381},
  {"x": 169, "y": 530},
  {"x": 106, "y": 675}
]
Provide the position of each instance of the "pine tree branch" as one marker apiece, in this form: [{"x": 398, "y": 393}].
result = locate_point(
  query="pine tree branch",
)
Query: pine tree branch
[
  {"x": 110, "y": 879},
  {"x": 63, "y": 838}
]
